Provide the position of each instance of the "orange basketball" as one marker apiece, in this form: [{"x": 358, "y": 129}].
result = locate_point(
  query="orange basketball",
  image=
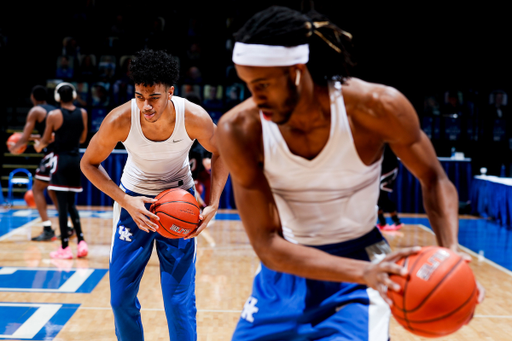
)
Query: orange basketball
[
  {"x": 178, "y": 211},
  {"x": 13, "y": 139},
  {"x": 29, "y": 198},
  {"x": 438, "y": 296}
]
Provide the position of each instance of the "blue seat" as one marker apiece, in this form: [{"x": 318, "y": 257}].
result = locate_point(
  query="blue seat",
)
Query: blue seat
[{"x": 18, "y": 181}]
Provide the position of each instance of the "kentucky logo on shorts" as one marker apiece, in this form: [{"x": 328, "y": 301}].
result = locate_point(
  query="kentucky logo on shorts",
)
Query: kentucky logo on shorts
[
  {"x": 125, "y": 234},
  {"x": 250, "y": 309}
]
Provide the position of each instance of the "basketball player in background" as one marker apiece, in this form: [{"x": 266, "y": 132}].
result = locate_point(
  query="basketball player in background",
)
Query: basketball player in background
[
  {"x": 304, "y": 154},
  {"x": 36, "y": 119},
  {"x": 387, "y": 180},
  {"x": 69, "y": 125},
  {"x": 157, "y": 130}
]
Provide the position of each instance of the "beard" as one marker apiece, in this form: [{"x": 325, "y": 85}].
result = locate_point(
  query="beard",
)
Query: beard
[{"x": 290, "y": 103}]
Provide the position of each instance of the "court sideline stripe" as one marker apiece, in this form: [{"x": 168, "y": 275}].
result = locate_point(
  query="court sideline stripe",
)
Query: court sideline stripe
[
  {"x": 26, "y": 225},
  {"x": 471, "y": 252}
]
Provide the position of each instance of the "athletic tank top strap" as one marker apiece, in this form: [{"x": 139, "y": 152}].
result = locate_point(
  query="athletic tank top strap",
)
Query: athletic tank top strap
[
  {"x": 153, "y": 166},
  {"x": 329, "y": 199}
]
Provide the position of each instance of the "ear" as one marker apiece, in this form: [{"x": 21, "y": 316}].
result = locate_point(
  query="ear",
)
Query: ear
[{"x": 171, "y": 92}]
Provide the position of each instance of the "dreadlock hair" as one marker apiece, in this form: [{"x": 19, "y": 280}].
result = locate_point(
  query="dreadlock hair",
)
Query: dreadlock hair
[
  {"x": 150, "y": 67},
  {"x": 329, "y": 56}
]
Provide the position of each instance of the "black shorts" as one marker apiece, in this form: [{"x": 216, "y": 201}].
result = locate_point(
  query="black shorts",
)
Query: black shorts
[
  {"x": 65, "y": 173},
  {"x": 43, "y": 170}
]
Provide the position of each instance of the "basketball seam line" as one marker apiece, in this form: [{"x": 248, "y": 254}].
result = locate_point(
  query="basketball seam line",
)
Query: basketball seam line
[{"x": 184, "y": 221}]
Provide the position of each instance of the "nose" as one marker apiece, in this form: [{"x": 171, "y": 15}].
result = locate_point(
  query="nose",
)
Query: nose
[{"x": 147, "y": 106}]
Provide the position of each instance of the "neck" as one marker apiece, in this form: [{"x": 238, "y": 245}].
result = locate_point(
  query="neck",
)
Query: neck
[{"x": 313, "y": 108}]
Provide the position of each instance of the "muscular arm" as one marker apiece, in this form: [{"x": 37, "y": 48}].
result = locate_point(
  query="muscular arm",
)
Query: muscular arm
[
  {"x": 239, "y": 142},
  {"x": 416, "y": 152},
  {"x": 114, "y": 128},
  {"x": 201, "y": 127}
]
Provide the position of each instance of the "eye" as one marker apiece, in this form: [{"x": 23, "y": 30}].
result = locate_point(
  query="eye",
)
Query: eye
[{"x": 262, "y": 86}]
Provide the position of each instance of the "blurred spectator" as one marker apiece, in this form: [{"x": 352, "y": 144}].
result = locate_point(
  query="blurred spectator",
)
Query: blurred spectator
[
  {"x": 431, "y": 106},
  {"x": 64, "y": 67},
  {"x": 123, "y": 89},
  {"x": 193, "y": 76},
  {"x": 82, "y": 93},
  {"x": 70, "y": 48},
  {"x": 100, "y": 94},
  {"x": 498, "y": 105},
  {"x": 107, "y": 67},
  {"x": 234, "y": 95},
  {"x": 213, "y": 97},
  {"x": 453, "y": 104},
  {"x": 187, "y": 89},
  {"x": 87, "y": 70}
]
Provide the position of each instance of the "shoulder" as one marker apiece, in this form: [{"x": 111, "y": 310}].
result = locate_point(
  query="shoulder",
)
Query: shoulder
[
  {"x": 242, "y": 119},
  {"x": 37, "y": 113},
  {"x": 381, "y": 110},
  {"x": 119, "y": 117},
  {"x": 198, "y": 122}
]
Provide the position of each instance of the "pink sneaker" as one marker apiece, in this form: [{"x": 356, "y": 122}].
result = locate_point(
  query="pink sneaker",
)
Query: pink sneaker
[
  {"x": 82, "y": 249},
  {"x": 393, "y": 227},
  {"x": 62, "y": 253},
  {"x": 382, "y": 227}
]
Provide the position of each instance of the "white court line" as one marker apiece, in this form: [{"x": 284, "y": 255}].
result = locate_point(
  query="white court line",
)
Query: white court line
[
  {"x": 16, "y": 230},
  {"x": 72, "y": 284},
  {"x": 480, "y": 258},
  {"x": 34, "y": 323},
  {"x": 160, "y": 309}
]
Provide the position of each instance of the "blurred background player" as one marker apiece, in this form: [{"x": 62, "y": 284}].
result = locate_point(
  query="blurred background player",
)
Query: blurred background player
[
  {"x": 387, "y": 180},
  {"x": 69, "y": 125},
  {"x": 36, "y": 119}
]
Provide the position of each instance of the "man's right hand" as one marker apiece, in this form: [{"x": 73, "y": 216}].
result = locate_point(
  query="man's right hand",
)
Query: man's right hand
[
  {"x": 376, "y": 275},
  {"x": 140, "y": 215}
]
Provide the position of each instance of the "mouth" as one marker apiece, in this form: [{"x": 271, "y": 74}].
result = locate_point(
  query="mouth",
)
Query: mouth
[
  {"x": 149, "y": 115},
  {"x": 267, "y": 115}
]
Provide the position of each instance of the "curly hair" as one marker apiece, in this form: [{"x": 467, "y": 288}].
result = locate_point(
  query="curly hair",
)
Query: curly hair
[
  {"x": 150, "y": 67},
  {"x": 329, "y": 46}
]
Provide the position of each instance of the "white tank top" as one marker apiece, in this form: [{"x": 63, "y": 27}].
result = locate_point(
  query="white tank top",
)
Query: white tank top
[
  {"x": 153, "y": 166},
  {"x": 327, "y": 200}
]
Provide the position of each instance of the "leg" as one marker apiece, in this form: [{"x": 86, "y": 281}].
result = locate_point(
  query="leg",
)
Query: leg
[
  {"x": 38, "y": 190},
  {"x": 75, "y": 217},
  {"x": 130, "y": 252},
  {"x": 177, "y": 275},
  {"x": 64, "y": 252}
]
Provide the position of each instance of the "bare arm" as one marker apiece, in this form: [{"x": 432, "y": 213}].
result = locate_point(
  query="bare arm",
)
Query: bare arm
[
  {"x": 201, "y": 127},
  {"x": 53, "y": 120},
  {"x": 114, "y": 128},
  {"x": 30, "y": 123},
  {"x": 416, "y": 152},
  {"x": 239, "y": 142},
  {"x": 83, "y": 137}
]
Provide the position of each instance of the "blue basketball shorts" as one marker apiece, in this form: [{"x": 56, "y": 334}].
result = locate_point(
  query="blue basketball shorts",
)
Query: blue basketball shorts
[
  {"x": 288, "y": 307},
  {"x": 129, "y": 255}
]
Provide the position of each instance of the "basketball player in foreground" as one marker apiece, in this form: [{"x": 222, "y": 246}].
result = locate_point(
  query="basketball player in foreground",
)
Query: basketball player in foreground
[
  {"x": 157, "y": 130},
  {"x": 304, "y": 154}
]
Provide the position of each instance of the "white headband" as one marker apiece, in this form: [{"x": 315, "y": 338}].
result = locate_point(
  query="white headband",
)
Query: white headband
[{"x": 269, "y": 55}]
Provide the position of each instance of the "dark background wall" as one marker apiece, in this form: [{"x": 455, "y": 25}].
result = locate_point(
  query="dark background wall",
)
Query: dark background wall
[{"x": 421, "y": 49}]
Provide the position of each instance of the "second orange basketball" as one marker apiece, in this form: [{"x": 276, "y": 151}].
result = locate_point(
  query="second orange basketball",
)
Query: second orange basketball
[{"x": 178, "y": 211}]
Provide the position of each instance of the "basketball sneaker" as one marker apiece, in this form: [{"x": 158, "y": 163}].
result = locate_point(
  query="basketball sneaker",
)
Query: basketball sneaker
[
  {"x": 393, "y": 227},
  {"x": 62, "y": 253},
  {"x": 45, "y": 236},
  {"x": 82, "y": 249},
  {"x": 381, "y": 226}
]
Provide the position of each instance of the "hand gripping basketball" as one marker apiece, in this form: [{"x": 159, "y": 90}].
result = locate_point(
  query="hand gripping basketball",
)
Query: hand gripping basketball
[
  {"x": 178, "y": 211},
  {"x": 439, "y": 294}
]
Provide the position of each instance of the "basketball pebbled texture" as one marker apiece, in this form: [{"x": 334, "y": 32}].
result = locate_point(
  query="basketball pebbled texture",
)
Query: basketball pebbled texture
[
  {"x": 178, "y": 211},
  {"x": 438, "y": 296}
]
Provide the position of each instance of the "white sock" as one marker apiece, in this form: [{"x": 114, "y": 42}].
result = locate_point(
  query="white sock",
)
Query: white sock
[{"x": 47, "y": 223}]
